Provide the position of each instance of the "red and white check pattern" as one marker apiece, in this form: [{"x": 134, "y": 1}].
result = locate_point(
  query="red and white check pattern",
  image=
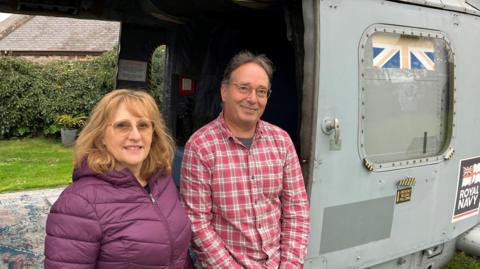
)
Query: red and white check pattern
[{"x": 248, "y": 206}]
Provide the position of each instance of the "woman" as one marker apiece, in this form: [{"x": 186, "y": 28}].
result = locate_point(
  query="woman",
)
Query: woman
[{"x": 122, "y": 210}]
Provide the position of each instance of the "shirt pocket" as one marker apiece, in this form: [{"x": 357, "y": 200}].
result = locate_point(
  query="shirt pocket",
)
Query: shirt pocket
[{"x": 271, "y": 178}]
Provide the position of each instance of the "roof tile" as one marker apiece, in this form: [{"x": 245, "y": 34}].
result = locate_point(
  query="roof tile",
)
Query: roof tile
[{"x": 42, "y": 33}]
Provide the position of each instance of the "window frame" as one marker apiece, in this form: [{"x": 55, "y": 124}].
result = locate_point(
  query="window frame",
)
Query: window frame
[{"x": 447, "y": 150}]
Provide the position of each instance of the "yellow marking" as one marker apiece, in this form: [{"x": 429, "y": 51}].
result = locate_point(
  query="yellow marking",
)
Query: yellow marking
[{"x": 409, "y": 181}]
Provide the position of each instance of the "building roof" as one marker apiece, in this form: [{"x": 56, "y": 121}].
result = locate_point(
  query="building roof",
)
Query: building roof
[{"x": 35, "y": 34}]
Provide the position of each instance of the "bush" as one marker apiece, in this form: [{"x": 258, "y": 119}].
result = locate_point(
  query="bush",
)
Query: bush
[
  {"x": 19, "y": 97},
  {"x": 32, "y": 96}
]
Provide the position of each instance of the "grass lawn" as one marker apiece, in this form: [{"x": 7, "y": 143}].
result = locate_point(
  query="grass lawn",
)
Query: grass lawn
[
  {"x": 32, "y": 163},
  {"x": 462, "y": 261}
]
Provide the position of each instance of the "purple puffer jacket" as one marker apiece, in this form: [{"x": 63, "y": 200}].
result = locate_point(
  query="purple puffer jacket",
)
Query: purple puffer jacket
[{"x": 110, "y": 221}]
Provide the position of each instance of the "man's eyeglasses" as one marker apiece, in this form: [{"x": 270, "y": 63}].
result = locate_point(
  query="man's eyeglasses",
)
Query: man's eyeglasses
[
  {"x": 124, "y": 127},
  {"x": 246, "y": 89}
]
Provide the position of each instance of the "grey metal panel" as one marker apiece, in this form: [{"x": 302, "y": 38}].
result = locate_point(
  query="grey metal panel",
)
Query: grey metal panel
[
  {"x": 434, "y": 3},
  {"x": 358, "y": 223},
  {"x": 464, "y": 6},
  {"x": 474, "y": 3},
  {"x": 444, "y": 252},
  {"x": 460, "y": 6},
  {"x": 339, "y": 176}
]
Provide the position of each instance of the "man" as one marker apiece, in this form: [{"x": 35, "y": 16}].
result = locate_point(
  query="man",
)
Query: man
[{"x": 241, "y": 180}]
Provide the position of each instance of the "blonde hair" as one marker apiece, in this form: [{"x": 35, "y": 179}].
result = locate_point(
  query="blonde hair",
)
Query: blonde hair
[{"x": 90, "y": 148}]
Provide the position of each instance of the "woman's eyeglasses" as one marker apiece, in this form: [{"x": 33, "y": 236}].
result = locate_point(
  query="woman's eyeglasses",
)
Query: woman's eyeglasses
[{"x": 124, "y": 127}]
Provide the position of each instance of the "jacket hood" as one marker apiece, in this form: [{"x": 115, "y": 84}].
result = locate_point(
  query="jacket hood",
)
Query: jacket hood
[{"x": 122, "y": 178}]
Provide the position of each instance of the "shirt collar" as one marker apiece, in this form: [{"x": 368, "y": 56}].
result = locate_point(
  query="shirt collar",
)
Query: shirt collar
[{"x": 259, "y": 130}]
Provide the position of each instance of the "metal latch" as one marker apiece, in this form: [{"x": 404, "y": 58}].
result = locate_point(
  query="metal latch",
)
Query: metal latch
[{"x": 331, "y": 126}]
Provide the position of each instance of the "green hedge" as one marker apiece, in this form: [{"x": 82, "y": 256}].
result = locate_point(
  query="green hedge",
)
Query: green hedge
[{"x": 32, "y": 95}]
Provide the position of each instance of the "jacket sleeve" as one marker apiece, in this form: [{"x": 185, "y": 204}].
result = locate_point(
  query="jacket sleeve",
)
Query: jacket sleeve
[
  {"x": 73, "y": 234},
  {"x": 195, "y": 194},
  {"x": 295, "y": 213}
]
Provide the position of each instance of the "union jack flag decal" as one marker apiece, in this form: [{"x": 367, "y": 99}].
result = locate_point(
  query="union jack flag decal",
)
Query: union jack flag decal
[
  {"x": 405, "y": 52},
  {"x": 468, "y": 171}
]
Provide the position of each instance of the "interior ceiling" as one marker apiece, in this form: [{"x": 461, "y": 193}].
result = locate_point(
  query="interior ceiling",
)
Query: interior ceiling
[{"x": 144, "y": 12}]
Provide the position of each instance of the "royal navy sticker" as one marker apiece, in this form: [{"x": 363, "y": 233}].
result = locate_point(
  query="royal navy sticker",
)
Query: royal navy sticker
[{"x": 468, "y": 187}]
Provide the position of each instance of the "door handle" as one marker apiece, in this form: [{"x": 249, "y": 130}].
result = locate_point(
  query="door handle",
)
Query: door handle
[{"x": 331, "y": 127}]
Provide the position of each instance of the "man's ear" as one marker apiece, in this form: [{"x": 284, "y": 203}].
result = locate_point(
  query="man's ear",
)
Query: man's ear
[{"x": 223, "y": 91}]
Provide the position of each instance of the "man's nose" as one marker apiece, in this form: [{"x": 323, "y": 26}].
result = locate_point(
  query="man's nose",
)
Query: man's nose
[{"x": 252, "y": 96}]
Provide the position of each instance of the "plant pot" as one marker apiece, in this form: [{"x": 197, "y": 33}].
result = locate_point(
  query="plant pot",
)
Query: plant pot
[{"x": 68, "y": 136}]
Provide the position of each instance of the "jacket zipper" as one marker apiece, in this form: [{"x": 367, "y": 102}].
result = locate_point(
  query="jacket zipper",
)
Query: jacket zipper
[
  {"x": 157, "y": 210},
  {"x": 151, "y": 198}
]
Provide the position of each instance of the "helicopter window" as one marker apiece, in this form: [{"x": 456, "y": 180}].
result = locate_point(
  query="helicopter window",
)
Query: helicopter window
[{"x": 406, "y": 97}]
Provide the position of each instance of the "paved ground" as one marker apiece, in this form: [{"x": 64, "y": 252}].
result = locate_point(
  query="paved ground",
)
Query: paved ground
[{"x": 22, "y": 227}]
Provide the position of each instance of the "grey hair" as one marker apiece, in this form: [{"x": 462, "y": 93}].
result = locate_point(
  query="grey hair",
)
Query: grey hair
[{"x": 244, "y": 57}]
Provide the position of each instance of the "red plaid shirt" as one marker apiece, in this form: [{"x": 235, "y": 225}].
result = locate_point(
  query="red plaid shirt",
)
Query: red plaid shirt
[{"x": 248, "y": 206}]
